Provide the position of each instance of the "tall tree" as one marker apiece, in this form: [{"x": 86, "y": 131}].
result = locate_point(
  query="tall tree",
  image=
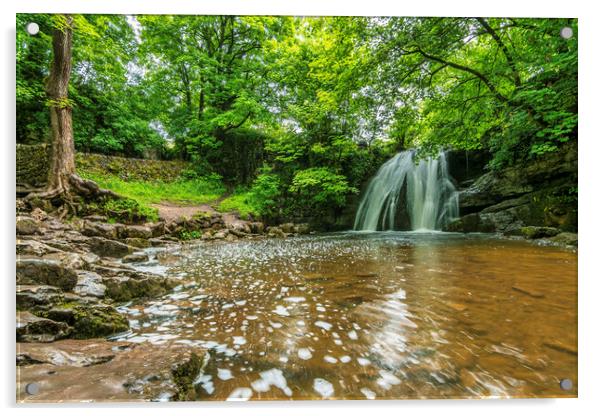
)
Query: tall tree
[{"x": 62, "y": 165}]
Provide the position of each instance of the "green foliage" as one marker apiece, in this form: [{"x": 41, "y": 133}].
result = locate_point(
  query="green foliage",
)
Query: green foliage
[
  {"x": 190, "y": 235},
  {"x": 296, "y": 113},
  {"x": 318, "y": 189},
  {"x": 129, "y": 210}
]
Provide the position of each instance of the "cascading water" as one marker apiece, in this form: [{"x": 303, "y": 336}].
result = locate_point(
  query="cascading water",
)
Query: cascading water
[{"x": 405, "y": 194}]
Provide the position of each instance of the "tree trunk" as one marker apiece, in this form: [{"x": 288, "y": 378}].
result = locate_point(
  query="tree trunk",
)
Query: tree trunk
[{"x": 62, "y": 164}]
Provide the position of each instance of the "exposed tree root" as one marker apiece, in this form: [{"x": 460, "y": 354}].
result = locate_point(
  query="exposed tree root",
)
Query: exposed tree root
[{"x": 68, "y": 191}]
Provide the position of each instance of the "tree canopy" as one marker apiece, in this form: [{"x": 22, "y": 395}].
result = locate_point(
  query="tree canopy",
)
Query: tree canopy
[{"x": 302, "y": 110}]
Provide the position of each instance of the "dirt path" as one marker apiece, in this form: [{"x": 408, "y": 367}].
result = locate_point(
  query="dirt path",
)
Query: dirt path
[{"x": 170, "y": 212}]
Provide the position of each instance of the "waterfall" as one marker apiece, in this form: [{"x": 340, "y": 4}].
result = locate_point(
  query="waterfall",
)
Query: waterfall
[{"x": 404, "y": 194}]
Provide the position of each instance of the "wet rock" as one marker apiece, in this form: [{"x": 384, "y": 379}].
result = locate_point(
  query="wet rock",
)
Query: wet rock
[
  {"x": 89, "y": 284},
  {"x": 108, "y": 371},
  {"x": 34, "y": 248},
  {"x": 138, "y": 242},
  {"x": 220, "y": 235},
  {"x": 257, "y": 227},
  {"x": 569, "y": 239},
  {"x": 157, "y": 228},
  {"x": 37, "y": 296},
  {"x": 136, "y": 231},
  {"x": 276, "y": 232},
  {"x": 135, "y": 258},
  {"x": 96, "y": 218},
  {"x": 45, "y": 272},
  {"x": 472, "y": 223},
  {"x": 27, "y": 225},
  {"x": 69, "y": 260},
  {"x": 302, "y": 228},
  {"x": 139, "y": 285},
  {"x": 31, "y": 328},
  {"x": 533, "y": 232},
  {"x": 101, "y": 229},
  {"x": 90, "y": 321},
  {"x": 287, "y": 228},
  {"x": 109, "y": 248}
]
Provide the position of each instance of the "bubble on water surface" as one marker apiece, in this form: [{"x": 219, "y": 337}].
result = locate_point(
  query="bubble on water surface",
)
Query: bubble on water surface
[
  {"x": 330, "y": 359},
  {"x": 224, "y": 374},
  {"x": 240, "y": 394},
  {"x": 270, "y": 378},
  {"x": 387, "y": 380},
  {"x": 281, "y": 310},
  {"x": 304, "y": 353},
  {"x": 323, "y": 387},
  {"x": 370, "y": 395},
  {"x": 324, "y": 325}
]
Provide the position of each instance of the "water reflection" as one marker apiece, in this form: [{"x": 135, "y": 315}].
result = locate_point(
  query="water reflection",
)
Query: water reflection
[{"x": 372, "y": 315}]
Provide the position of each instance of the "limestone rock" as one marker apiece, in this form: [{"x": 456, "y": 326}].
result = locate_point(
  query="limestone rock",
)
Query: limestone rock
[
  {"x": 31, "y": 328},
  {"x": 27, "y": 225},
  {"x": 37, "y": 296},
  {"x": 136, "y": 231},
  {"x": 569, "y": 239},
  {"x": 45, "y": 272},
  {"x": 276, "y": 232},
  {"x": 533, "y": 232},
  {"x": 138, "y": 242},
  {"x": 90, "y": 321},
  {"x": 106, "y": 370},
  {"x": 257, "y": 227},
  {"x": 135, "y": 258},
  {"x": 34, "y": 248},
  {"x": 139, "y": 285},
  {"x": 89, "y": 284},
  {"x": 101, "y": 229},
  {"x": 109, "y": 248}
]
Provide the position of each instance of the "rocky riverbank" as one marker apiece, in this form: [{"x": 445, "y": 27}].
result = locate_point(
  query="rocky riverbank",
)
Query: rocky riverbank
[
  {"x": 72, "y": 275},
  {"x": 534, "y": 200}
]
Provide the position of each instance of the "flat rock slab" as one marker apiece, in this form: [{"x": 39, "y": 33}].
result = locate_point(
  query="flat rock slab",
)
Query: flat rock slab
[{"x": 100, "y": 370}]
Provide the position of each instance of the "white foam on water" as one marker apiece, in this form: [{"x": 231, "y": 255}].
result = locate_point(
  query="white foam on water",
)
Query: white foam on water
[
  {"x": 241, "y": 302},
  {"x": 304, "y": 353},
  {"x": 251, "y": 317},
  {"x": 294, "y": 299},
  {"x": 283, "y": 359},
  {"x": 387, "y": 380},
  {"x": 240, "y": 394},
  {"x": 239, "y": 340},
  {"x": 323, "y": 325},
  {"x": 345, "y": 359},
  {"x": 300, "y": 323},
  {"x": 370, "y": 395},
  {"x": 224, "y": 374},
  {"x": 330, "y": 359},
  {"x": 363, "y": 361},
  {"x": 352, "y": 335},
  {"x": 323, "y": 387},
  {"x": 320, "y": 309},
  {"x": 227, "y": 305},
  {"x": 271, "y": 378},
  {"x": 276, "y": 324},
  {"x": 281, "y": 310},
  {"x": 205, "y": 381}
]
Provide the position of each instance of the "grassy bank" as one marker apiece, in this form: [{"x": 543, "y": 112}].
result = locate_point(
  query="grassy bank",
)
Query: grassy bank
[{"x": 208, "y": 190}]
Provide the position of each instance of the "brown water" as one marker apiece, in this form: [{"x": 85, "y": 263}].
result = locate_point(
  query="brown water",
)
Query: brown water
[{"x": 377, "y": 315}]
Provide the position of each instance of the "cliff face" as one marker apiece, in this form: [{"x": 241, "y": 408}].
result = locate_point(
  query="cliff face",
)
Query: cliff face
[{"x": 541, "y": 192}]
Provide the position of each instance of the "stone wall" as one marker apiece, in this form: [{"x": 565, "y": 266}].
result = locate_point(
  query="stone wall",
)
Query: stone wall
[{"x": 32, "y": 162}]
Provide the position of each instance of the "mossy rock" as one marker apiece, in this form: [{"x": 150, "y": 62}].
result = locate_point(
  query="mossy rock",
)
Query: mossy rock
[
  {"x": 123, "y": 288},
  {"x": 533, "y": 232},
  {"x": 92, "y": 321},
  {"x": 184, "y": 376}
]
